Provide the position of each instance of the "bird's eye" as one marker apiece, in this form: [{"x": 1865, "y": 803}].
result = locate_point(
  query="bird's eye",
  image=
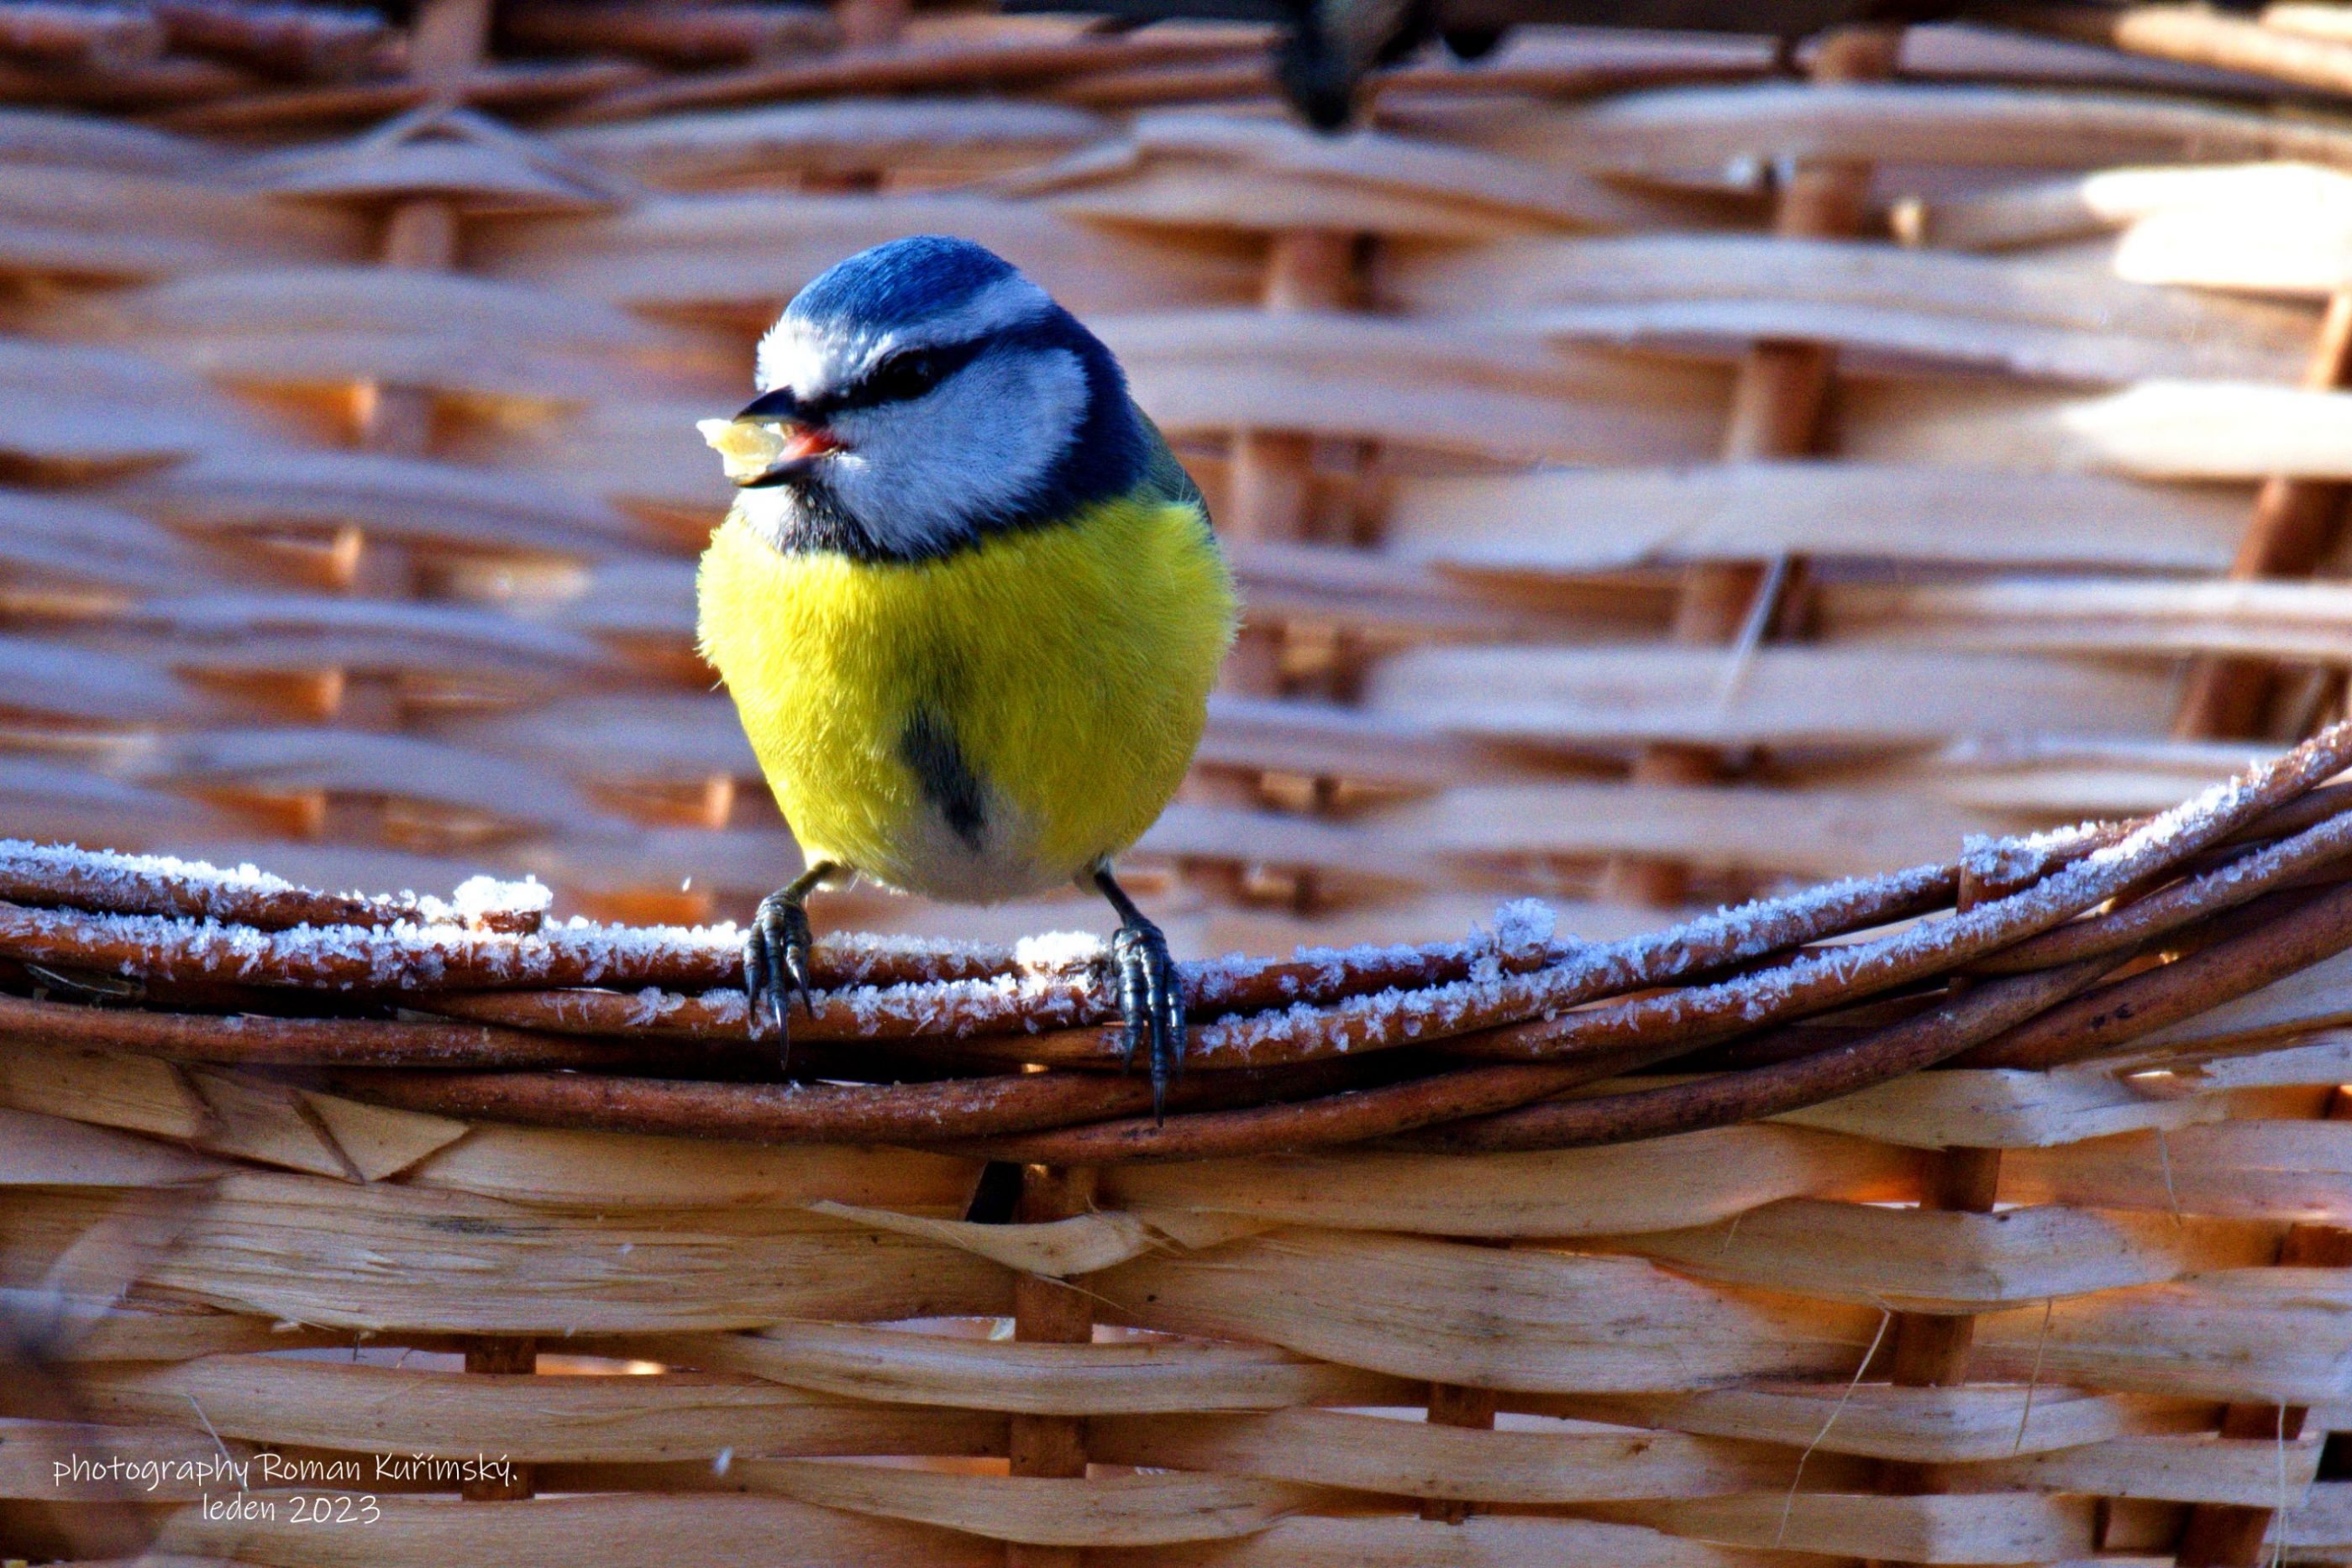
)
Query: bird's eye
[{"x": 904, "y": 376}]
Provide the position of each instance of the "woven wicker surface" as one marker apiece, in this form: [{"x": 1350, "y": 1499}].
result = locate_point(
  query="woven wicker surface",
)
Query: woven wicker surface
[
  {"x": 1512, "y": 1250},
  {"x": 1658, "y": 476}
]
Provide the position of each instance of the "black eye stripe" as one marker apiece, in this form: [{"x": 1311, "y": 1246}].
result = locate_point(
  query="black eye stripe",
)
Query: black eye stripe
[{"x": 904, "y": 376}]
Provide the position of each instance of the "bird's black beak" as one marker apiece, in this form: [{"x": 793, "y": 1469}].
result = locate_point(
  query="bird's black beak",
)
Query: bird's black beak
[
  {"x": 776, "y": 473},
  {"x": 779, "y": 405},
  {"x": 805, "y": 444}
]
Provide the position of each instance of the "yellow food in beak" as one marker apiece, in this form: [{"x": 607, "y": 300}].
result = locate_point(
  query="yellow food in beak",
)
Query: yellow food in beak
[{"x": 747, "y": 448}]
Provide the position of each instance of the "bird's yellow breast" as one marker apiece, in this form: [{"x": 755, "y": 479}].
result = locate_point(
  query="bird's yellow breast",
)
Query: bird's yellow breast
[{"x": 1065, "y": 669}]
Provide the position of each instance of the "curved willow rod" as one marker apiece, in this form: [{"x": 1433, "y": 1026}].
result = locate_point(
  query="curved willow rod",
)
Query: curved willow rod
[
  {"x": 138, "y": 884},
  {"x": 1963, "y": 1022},
  {"x": 1963, "y": 1019},
  {"x": 1485, "y": 1108},
  {"x": 1528, "y": 1017},
  {"x": 1310, "y": 1046},
  {"x": 99, "y": 881},
  {"x": 253, "y": 1040},
  {"x": 76, "y": 908},
  {"x": 406, "y": 957},
  {"x": 1308, "y": 1008},
  {"x": 2318, "y": 927},
  {"x": 249, "y": 1040},
  {"x": 1012, "y": 1003},
  {"x": 1352, "y": 1116},
  {"x": 2238, "y": 882},
  {"x": 1491, "y": 1109},
  {"x": 1701, "y": 1015},
  {"x": 904, "y": 1114},
  {"x": 2035, "y": 1020}
]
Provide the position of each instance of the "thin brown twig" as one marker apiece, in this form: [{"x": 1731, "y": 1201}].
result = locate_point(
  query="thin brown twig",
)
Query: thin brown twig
[
  {"x": 1976, "y": 1014},
  {"x": 2203, "y": 980},
  {"x": 905, "y": 1114}
]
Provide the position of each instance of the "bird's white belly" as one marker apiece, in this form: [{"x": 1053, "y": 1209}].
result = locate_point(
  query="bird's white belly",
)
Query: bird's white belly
[{"x": 927, "y": 857}]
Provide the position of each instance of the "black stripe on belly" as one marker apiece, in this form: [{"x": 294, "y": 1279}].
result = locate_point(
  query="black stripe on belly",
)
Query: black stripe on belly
[{"x": 928, "y": 746}]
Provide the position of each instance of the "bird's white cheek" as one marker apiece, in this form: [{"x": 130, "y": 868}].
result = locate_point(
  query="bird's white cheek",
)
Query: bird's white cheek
[{"x": 979, "y": 446}]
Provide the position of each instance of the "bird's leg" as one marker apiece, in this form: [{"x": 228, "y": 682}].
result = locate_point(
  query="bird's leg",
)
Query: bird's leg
[
  {"x": 1150, "y": 992},
  {"x": 776, "y": 958}
]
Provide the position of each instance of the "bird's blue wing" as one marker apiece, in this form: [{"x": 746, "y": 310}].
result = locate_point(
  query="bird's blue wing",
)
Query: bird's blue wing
[{"x": 1163, "y": 476}]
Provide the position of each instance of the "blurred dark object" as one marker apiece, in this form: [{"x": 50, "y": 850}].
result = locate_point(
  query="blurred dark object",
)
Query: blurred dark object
[{"x": 1328, "y": 47}]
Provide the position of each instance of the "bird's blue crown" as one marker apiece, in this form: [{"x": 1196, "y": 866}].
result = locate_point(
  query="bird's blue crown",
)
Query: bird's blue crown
[{"x": 899, "y": 282}]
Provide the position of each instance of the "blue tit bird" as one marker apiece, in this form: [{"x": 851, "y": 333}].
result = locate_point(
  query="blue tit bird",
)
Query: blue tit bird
[{"x": 967, "y": 602}]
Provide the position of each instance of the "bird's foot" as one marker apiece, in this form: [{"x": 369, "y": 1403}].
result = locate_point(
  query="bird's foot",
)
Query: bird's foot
[
  {"x": 1152, "y": 1003},
  {"x": 777, "y": 957}
]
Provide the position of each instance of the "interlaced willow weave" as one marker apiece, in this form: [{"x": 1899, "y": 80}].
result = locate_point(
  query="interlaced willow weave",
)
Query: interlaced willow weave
[
  {"x": 1660, "y": 473},
  {"x": 1709, "y": 1324}
]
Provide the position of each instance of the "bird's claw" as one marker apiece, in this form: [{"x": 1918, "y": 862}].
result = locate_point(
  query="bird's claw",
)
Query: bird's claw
[
  {"x": 777, "y": 964},
  {"x": 1151, "y": 1004}
]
